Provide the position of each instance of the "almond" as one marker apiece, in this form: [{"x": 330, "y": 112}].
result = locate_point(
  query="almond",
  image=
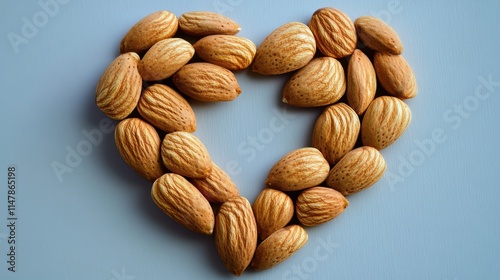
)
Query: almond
[
  {"x": 299, "y": 169},
  {"x": 288, "y": 48},
  {"x": 207, "y": 23},
  {"x": 336, "y": 132},
  {"x": 321, "y": 82},
  {"x": 334, "y": 32},
  {"x": 207, "y": 82},
  {"x": 166, "y": 109},
  {"x": 184, "y": 154},
  {"x": 149, "y": 30},
  {"x": 361, "y": 81},
  {"x": 357, "y": 170},
  {"x": 395, "y": 75},
  {"x": 384, "y": 122},
  {"x": 139, "y": 145},
  {"x": 318, "y": 205},
  {"x": 273, "y": 210},
  {"x": 164, "y": 58},
  {"x": 119, "y": 88},
  {"x": 217, "y": 187},
  {"x": 181, "y": 201},
  {"x": 235, "y": 234},
  {"x": 228, "y": 51},
  {"x": 279, "y": 246},
  {"x": 377, "y": 35}
]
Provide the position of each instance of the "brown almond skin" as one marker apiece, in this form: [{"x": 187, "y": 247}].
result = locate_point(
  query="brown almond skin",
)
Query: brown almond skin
[
  {"x": 119, "y": 88},
  {"x": 139, "y": 145},
  {"x": 184, "y": 154},
  {"x": 299, "y": 169},
  {"x": 361, "y": 81},
  {"x": 235, "y": 234},
  {"x": 231, "y": 52},
  {"x": 334, "y": 32},
  {"x": 279, "y": 246},
  {"x": 181, "y": 201},
  {"x": 321, "y": 82},
  {"x": 166, "y": 109},
  {"x": 357, "y": 170},
  {"x": 217, "y": 187},
  {"x": 201, "y": 23},
  {"x": 319, "y": 205},
  {"x": 149, "y": 30},
  {"x": 384, "y": 122},
  {"x": 336, "y": 131},
  {"x": 273, "y": 210},
  {"x": 377, "y": 35},
  {"x": 207, "y": 82},
  {"x": 395, "y": 75},
  {"x": 164, "y": 58},
  {"x": 288, "y": 48}
]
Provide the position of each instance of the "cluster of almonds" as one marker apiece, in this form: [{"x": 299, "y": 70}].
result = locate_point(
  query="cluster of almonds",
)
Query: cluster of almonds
[{"x": 199, "y": 195}]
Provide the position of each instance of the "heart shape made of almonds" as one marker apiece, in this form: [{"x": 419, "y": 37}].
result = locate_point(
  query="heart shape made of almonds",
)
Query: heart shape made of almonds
[{"x": 144, "y": 88}]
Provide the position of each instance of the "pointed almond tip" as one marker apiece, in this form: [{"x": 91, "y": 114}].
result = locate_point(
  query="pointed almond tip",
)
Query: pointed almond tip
[{"x": 284, "y": 100}]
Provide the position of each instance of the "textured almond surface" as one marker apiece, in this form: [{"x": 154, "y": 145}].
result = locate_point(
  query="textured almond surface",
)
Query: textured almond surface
[
  {"x": 273, "y": 210},
  {"x": 384, "y": 122},
  {"x": 334, "y": 32},
  {"x": 139, "y": 145},
  {"x": 181, "y": 201},
  {"x": 228, "y": 51},
  {"x": 395, "y": 75},
  {"x": 164, "y": 58},
  {"x": 207, "y": 23},
  {"x": 184, "y": 154},
  {"x": 361, "y": 81},
  {"x": 236, "y": 234},
  {"x": 207, "y": 82},
  {"x": 288, "y": 48},
  {"x": 149, "y": 30},
  {"x": 217, "y": 187},
  {"x": 166, "y": 109},
  {"x": 299, "y": 169},
  {"x": 321, "y": 82},
  {"x": 279, "y": 246},
  {"x": 318, "y": 205},
  {"x": 336, "y": 132},
  {"x": 357, "y": 170},
  {"x": 377, "y": 35},
  {"x": 119, "y": 88}
]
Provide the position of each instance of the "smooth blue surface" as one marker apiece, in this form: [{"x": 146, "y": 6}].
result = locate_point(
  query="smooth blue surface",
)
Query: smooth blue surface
[{"x": 434, "y": 215}]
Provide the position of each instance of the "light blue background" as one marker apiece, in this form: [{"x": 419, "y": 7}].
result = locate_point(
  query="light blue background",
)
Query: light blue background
[{"x": 440, "y": 220}]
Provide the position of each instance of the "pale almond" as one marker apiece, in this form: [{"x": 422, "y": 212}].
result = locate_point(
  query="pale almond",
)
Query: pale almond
[
  {"x": 217, "y": 187},
  {"x": 149, "y": 30},
  {"x": 321, "y": 82},
  {"x": 319, "y": 205},
  {"x": 139, "y": 145},
  {"x": 202, "y": 23},
  {"x": 357, "y": 170},
  {"x": 273, "y": 210},
  {"x": 184, "y": 154},
  {"x": 336, "y": 131},
  {"x": 361, "y": 81},
  {"x": 334, "y": 32},
  {"x": 288, "y": 48},
  {"x": 166, "y": 109},
  {"x": 181, "y": 201},
  {"x": 395, "y": 75},
  {"x": 377, "y": 35},
  {"x": 164, "y": 58},
  {"x": 299, "y": 169},
  {"x": 119, "y": 88},
  {"x": 384, "y": 122},
  {"x": 228, "y": 51}
]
